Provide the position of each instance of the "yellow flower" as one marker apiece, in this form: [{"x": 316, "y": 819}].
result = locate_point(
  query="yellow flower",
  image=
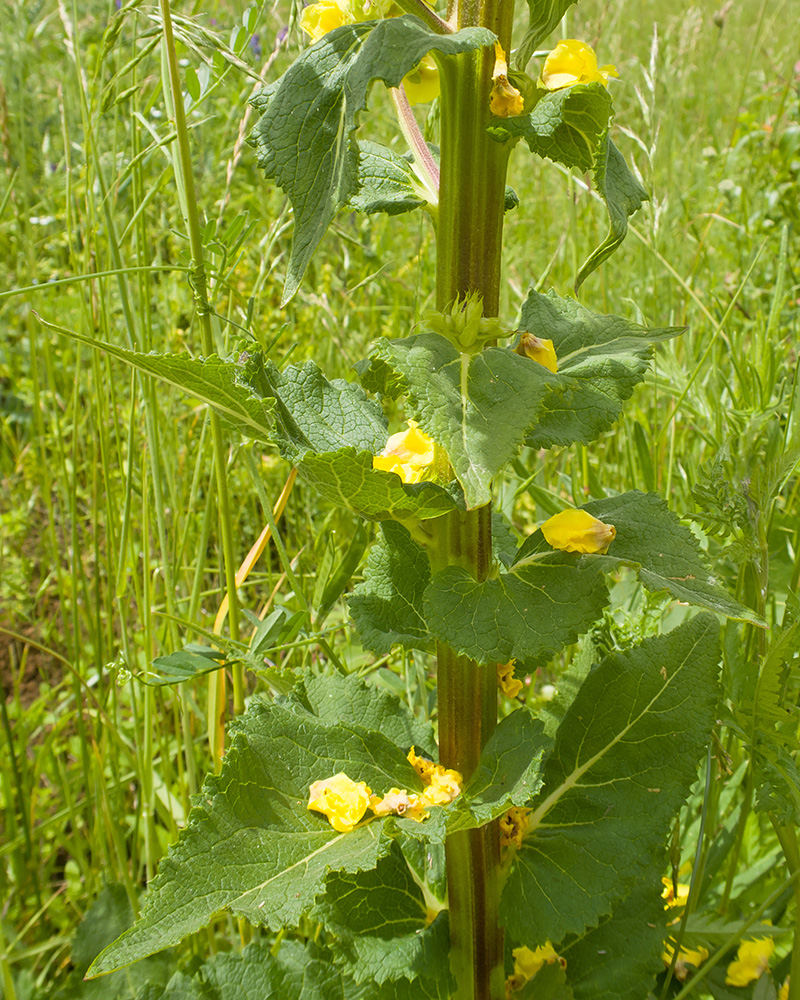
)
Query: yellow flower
[
  {"x": 422, "y": 83},
  {"x": 752, "y": 959},
  {"x": 441, "y": 785},
  {"x": 399, "y": 802},
  {"x": 504, "y": 100},
  {"x": 784, "y": 993},
  {"x": 506, "y": 681},
  {"x": 408, "y": 454},
  {"x": 527, "y": 963},
  {"x": 514, "y": 826},
  {"x": 669, "y": 894},
  {"x": 571, "y": 62},
  {"x": 538, "y": 350},
  {"x": 341, "y": 799},
  {"x": 686, "y": 957},
  {"x": 578, "y": 531},
  {"x": 320, "y": 18}
]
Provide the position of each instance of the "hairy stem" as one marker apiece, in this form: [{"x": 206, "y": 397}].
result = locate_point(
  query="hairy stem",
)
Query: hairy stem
[{"x": 469, "y": 238}]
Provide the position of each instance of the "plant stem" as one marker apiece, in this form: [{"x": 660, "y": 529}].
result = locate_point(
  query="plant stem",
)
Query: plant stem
[
  {"x": 469, "y": 239},
  {"x": 204, "y": 314}
]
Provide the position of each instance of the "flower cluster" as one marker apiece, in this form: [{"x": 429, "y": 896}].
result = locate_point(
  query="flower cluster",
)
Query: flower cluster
[
  {"x": 345, "y": 802},
  {"x": 410, "y": 454},
  {"x": 421, "y": 84},
  {"x": 571, "y": 62},
  {"x": 527, "y": 963}
]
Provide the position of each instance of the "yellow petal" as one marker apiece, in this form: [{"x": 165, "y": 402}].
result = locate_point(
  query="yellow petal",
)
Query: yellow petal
[
  {"x": 506, "y": 681},
  {"x": 571, "y": 62},
  {"x": 578, "y": 531},
  {"x": 320, "y": 18},
  {"x": 527, "y": 963},
  {"x": 538, "y": 350},
  {"x": 505, "y": 100},
  {"x": 391, "y": 463},
  {"x": 441, "y": 785},
  {"x": 752, "y": 959},
  {"x": 513, "y": 827},
  {"x": 341, "y": 799},
  {"x": 399, "y": 802},
  {"x": 686, "y": 957},
  {"x": 422, "y": 83},
  {"x": 669, "y": 894},
  {"x": 784, "y": 993}
]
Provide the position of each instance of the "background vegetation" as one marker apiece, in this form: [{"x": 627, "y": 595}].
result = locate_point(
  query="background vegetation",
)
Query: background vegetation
[{"x": 109, "y": 542}]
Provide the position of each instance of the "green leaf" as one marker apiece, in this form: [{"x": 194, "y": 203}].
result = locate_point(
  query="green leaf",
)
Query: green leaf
[
  {"x": 566, "y": 126},
  {"x": 251, "y": 845},
  {"x": 479, "y": 407},
  {"x": 601, "y": 359},
  {"x": 304, "y": 137},
  {"x": 508, "y": 772},
  {"x": 219, "y": 383},
  {"x": 545, "y": 16},
  {"x": 108, "y": 916},
  {"x": 386, "y": 181},
  {"x": 331, "y": 431},
  {"x": 624, "y": 759},
  {"x": 526, "y": 614},
  {"x": 651, "y": 540},
  {"x": 335, "y": 699},
  {"x": 346, "y": 477},
  {"x": 295, "y": 973},
  {"x": 381, "y": 920},
  {"x": 182, "y": 665},
  {"x": 630, "y": 941},
  {"x": 387, "y": 606},
  {"x": 623, "y": 195},
  {"x": 315, "y": 415}
]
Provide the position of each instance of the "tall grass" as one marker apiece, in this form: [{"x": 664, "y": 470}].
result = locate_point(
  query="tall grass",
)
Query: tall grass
[{"x": 110, "y": 539}]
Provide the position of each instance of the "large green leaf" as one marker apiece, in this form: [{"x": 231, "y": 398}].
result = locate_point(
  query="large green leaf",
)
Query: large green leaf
[
  {"x": 221, "y": 384},
  {"x": 304, "y": 137},
  {"x": 333, "y": 699},
  {"x": 623, "y": 195},
  {"x": 387, "y": 606},
  {"x": 330, "y": 430},
  {"x": 479, "y": 407},
  {"x": 346, "y": 477},
  {"x": 651, "y": 540},
  {"x": 509, "y": 772},
  {"x": 526, "y": 614},
  {"x": 630, "y": 941},
  {"x": 251, "y": 844},
  {"x": 545, "y": 16},
  {"x": 386, "y": 181},
  {"x": 624, "y": 759},
  {"x": 313, "y": 414},
  {"x": 566, "y": 126},
  {"x": 382, "y": 923},
  {"x": 108, "y": 916},
  {"x": 601, "y": 359},
  {"x": 294, "y": 973}
]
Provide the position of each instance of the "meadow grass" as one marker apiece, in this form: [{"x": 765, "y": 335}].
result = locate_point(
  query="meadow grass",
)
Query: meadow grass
[{"x": 110, "y": 541}]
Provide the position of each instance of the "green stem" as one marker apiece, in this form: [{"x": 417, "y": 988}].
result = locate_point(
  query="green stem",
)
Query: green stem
[
  {"x": 469, "y": 242},
  {"x": 204, "y": 314},
  {"x": 787, "y": 835}
]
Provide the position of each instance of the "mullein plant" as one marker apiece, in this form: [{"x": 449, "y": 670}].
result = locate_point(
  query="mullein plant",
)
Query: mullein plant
[{"x": 476, "y": 859}]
